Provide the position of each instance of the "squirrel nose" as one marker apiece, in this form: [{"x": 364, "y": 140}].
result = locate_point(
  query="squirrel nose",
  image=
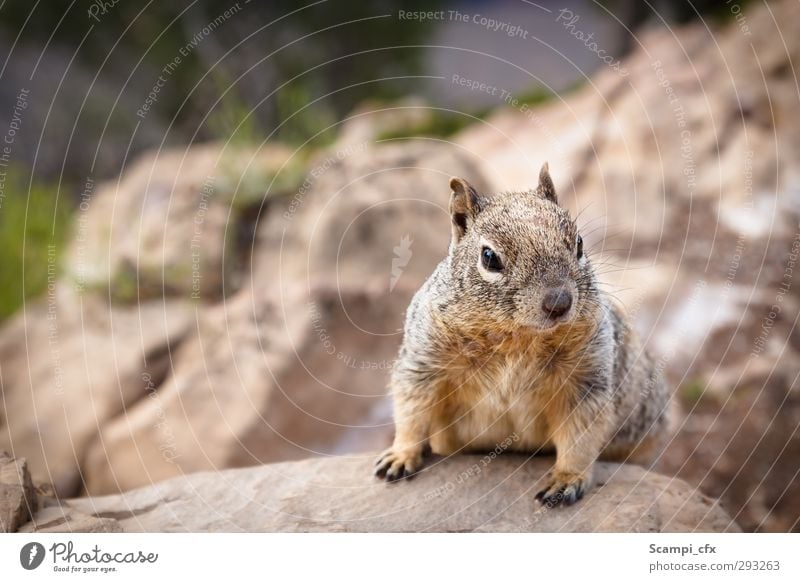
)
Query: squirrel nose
[{"x": 556, "y": 302}]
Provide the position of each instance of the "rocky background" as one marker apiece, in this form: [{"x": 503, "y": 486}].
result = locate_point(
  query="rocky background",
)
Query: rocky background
[{"x": 231, "y": 305}]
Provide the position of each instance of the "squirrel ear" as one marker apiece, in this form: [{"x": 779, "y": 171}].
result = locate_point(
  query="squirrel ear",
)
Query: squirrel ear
[
  {"x": 546, "y": 188},
  {"x": 464, "y": 206}
]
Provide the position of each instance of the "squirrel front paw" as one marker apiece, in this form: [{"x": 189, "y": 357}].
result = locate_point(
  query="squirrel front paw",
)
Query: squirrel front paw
[
  {"x": 564, "y": 488},
  {"x": 394, "y": 464}
]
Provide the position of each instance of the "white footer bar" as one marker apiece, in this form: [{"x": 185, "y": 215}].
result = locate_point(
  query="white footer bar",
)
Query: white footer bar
[{"x": 401, "y": 557}]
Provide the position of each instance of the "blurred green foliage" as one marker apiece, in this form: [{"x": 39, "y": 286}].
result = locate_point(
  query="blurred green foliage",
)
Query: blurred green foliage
[
  {"x": 298, "y": 124},
  {"x": 231, "y": 119},
  {"x": 692, "y": 391},
  {"x": 34, "y": 222},
  {"x": 233, "y": 70},
  {"x": 295, "y": 51},
  {"x": 444, "y": 123},
  {"x": 441, "y": 124},
  {"x": 695, "y": 393}
]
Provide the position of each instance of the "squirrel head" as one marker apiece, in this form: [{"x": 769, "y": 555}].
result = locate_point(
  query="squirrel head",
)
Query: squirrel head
[{"x": 517, "y": 259}]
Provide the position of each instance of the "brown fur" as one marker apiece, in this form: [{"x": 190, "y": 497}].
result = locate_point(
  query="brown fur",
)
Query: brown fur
[{"x": 482, "y": 360}]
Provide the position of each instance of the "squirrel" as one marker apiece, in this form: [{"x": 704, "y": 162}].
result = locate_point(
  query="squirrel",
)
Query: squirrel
[{"x": 511, "y": 337}]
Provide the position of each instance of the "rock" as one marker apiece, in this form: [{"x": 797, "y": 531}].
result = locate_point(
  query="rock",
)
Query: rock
[
  {"x": 60, "y": 518},
  {"x": 169, "y": 226},
  {"x": 68, "y": 364},
  {"x": 17, "y": 496},
  {"x": 296, "y": 364},
  {"x": 262, "y": 381},
  {"x": 373, "y": 121},
  {"x": 685, "y": 172},
  {"x": 22, "y": 510},
  {"x": 463, "y": 493},
  {"x": 740, "y": 448},
  {"x": 368, "y": 217}
]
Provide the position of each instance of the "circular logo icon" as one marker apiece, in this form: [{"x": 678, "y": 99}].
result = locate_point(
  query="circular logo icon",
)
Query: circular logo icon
[{"x": 31, "y": 555}]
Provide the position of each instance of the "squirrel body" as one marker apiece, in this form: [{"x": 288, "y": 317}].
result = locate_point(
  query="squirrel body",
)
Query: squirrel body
[{"x": 511, "y": 337}]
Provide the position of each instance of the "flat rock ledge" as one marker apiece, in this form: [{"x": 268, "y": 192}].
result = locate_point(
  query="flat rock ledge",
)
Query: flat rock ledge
[{"x": 465, "y": 493}]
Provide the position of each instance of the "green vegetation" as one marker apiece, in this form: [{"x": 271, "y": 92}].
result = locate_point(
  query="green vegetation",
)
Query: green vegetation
[
  {"x": 444, "y": 123},
  {"x": 692, "y": 392},
  {"x": 301, "y": 123},
  {"x": 34, "y": 222},
  {"x": 332, "y": 49},
  {"x": 440, "y": 124},
  {"x": 231, "y": 119},
  {"x": 246, "y": 182},
  {"x": 537, "y": 95},
  {"x": 695, "y": 393}
]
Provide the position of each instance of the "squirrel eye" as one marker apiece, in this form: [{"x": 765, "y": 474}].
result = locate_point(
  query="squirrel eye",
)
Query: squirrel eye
[
  {"x": 490, "y": 260},
  {"x": 579, "y": 245}
]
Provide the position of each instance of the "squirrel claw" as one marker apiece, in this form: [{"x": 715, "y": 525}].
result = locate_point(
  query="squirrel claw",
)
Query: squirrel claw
[
  {"x": 563, "y": 491},
  {"x": 394, "y": 466}
]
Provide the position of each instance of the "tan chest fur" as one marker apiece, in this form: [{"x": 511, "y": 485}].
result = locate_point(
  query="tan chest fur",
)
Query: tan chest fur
[{"x": 495, "y": 388}]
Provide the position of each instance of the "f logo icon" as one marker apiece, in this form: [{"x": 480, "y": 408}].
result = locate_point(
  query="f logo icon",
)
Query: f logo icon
[{"x": 31, "y": 555}]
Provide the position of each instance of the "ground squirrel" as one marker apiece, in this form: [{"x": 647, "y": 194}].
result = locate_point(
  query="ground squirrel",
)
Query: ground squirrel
[{"x": 511, "y": 336}]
